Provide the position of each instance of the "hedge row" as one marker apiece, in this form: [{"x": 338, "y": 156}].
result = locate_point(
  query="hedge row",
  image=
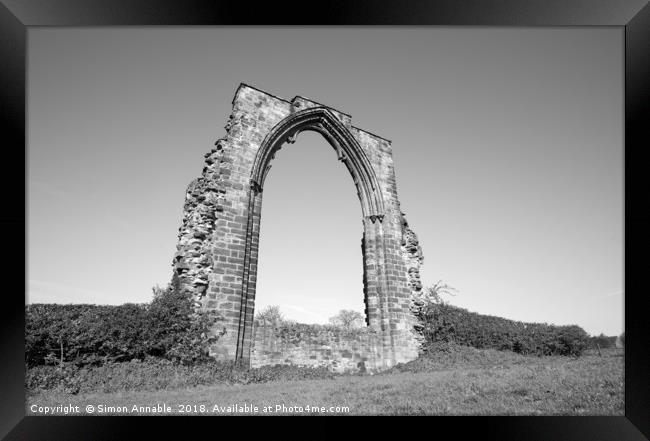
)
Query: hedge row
[
  {"x": 602, "y": 341},
  {"x": 98, "y": 334},
  {"x": 442, "y": 322}
]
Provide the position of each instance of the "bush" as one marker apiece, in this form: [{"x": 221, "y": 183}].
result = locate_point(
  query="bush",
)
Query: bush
[
  {"x": 602, "y": 341},
  {"x": 621, "y": 338},
  {"x": 347, "y": 319},
  {"x": 85, "y": 334},
  {"x": 100, "y": 334},
  {"x": 174, "y": 330},
  {"x": 441, "y": 322},
  {"x": 270, "y": 314}
]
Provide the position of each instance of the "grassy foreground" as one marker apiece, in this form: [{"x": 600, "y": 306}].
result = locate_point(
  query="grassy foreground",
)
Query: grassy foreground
[{"x": 465, "y": 382}]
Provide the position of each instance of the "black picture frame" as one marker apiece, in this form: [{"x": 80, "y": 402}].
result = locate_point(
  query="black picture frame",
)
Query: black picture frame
[{"x": 16, "y": 16}]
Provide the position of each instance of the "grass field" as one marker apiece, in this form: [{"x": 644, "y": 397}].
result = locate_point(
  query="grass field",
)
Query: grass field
[{"x": 467, "y": 382}]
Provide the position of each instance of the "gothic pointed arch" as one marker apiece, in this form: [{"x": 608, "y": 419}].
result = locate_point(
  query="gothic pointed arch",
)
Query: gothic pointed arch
[
  {"x": 349, "y": 151},
  {"x": 218, "y": 241}
]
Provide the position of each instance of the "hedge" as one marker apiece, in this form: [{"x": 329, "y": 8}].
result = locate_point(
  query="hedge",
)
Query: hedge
[
  {"x": 602, "y": 341},
  {"x": 85, "y": 334},
  {"x": 442, "y": 322}
]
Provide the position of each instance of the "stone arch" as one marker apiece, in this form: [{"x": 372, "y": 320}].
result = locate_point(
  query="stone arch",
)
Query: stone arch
[
  {"x": 348, "y": 150},
  {"x": 216, "y": 259}
]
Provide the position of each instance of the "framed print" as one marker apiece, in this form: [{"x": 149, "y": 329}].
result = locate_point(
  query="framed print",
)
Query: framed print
[{"x": 154, "y": 285}]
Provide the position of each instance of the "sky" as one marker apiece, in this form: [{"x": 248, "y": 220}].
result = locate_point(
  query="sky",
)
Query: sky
[{"x": 507, "y": 143}]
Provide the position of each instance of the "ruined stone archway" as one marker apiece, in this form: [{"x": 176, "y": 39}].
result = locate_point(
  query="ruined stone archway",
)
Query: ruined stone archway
[{"x": 217, "y": 252}]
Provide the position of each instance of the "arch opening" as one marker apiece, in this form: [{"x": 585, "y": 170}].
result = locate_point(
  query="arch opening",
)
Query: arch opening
[
  {"x": 309, "y": 263},
  {"x": 348, "y": 150}
]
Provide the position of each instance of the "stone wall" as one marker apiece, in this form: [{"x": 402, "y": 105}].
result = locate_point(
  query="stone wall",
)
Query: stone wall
[
  {"x": 316, "y": 346},
  {"x": 216, "y": 259}
]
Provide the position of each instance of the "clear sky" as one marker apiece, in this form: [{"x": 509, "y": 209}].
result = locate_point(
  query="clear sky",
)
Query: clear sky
[{"x": 507, "y": 142}]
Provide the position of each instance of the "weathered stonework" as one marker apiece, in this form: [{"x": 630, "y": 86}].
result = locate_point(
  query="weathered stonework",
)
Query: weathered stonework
[
  {"x": 413, "y": 256},
  {"x": 316, "y": 346},
  {"x": 216, "y": 258}
]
